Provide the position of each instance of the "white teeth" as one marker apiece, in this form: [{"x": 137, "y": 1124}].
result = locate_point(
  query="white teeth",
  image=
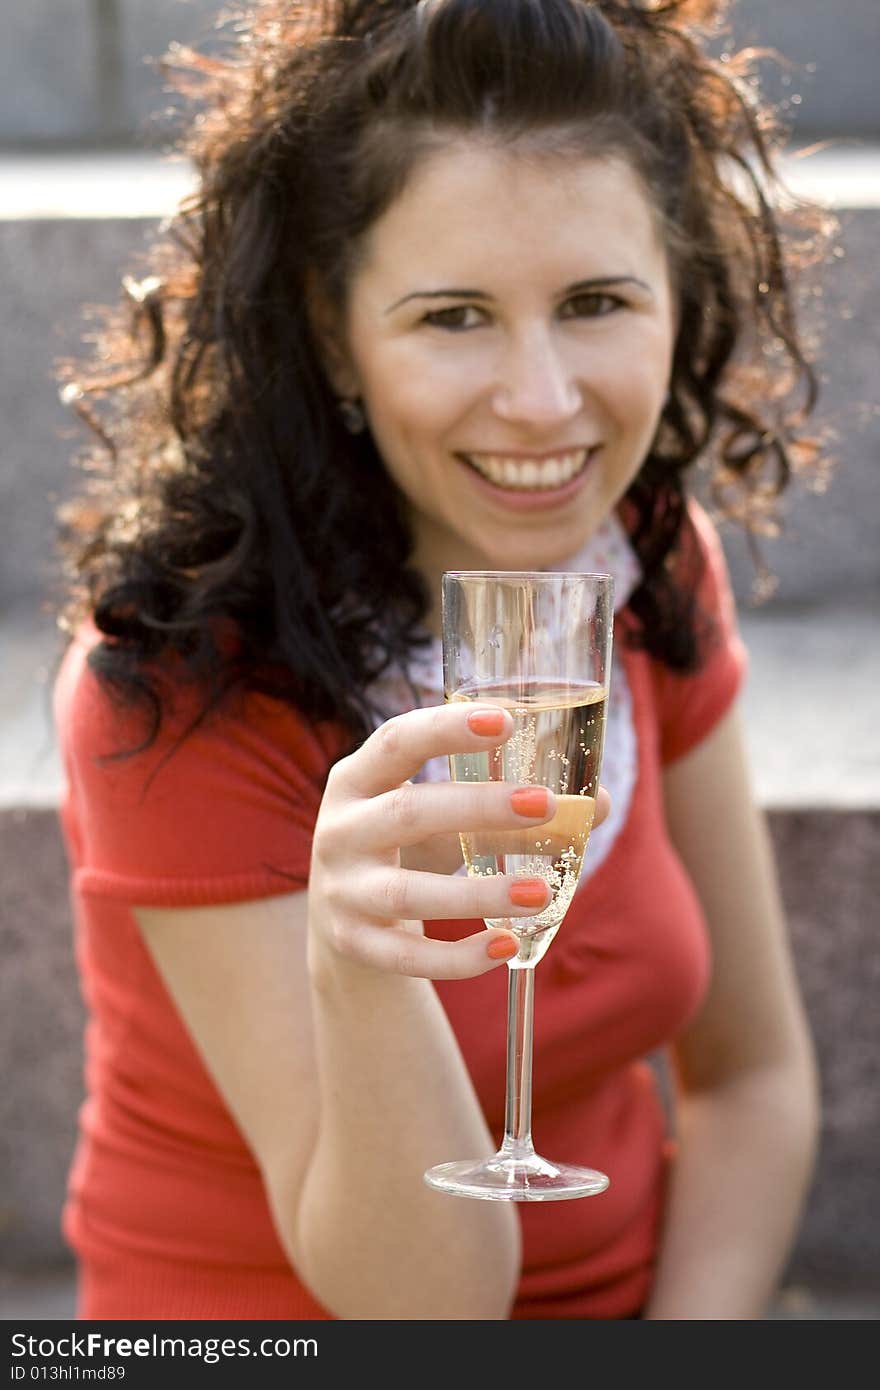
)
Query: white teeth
[
  {"x": 512, "y": 474},
  {"x": 529, "y": 473}
]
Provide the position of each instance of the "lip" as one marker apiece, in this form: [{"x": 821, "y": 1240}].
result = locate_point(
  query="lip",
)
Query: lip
[{"x": 530, "y": 501}]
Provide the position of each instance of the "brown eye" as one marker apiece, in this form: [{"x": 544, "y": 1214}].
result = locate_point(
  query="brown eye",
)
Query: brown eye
[
  {"x": 458, "y": 318},
  {"x": 591, "y": 306}
]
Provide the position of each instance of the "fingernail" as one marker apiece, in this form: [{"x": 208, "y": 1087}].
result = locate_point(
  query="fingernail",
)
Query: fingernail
[
  {"x": 530, "y": 801},
  {"x": 486, "y": 721},
  {"x": 528, "y": 892},
  {"x": 502, "y": 948}
]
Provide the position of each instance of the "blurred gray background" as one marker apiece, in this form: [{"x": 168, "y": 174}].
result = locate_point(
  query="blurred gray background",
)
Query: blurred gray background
[
  {"x": 83, "y": 119},
  {"x": 82, "y": 72}
]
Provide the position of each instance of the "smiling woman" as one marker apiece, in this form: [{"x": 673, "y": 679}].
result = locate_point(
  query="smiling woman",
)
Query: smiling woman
[
  {"x": 546, "y": 387},
  {"x": 465, "y": 284}
]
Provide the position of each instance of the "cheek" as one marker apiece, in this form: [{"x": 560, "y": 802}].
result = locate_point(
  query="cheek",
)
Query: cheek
[
  {"x": 635, "y": 379},
  {"x": 407, "y": 429},
  {"x": 410, "y": 407},
  {"x": 403, "y": 417}
]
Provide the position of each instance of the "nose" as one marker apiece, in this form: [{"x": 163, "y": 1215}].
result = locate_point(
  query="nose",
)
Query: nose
[{"x": 536, "y": 384}]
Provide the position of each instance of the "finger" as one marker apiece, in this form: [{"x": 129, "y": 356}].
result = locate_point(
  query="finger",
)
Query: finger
[
  {"x": 603, "y": 807},
  {"x": 398, "y": 748},
  {"x": 399, "y": 952},
  {"x": 414, "y": 812},
  {"x": 409, "y": 893}
]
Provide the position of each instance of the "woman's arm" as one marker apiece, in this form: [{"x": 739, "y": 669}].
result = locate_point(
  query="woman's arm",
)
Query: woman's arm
[
  {"x": 337, "y": 1060},
  {"x": 747, "y": 1108},
  {"x": 341, "y": 1146}
]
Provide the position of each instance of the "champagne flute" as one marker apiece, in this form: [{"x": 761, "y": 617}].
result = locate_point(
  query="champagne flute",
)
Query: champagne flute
[{"x": 538, "y": 645}]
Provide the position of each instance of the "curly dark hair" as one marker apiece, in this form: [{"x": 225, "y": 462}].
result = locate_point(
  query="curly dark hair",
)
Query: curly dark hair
[{"x": 230, "y": 517}]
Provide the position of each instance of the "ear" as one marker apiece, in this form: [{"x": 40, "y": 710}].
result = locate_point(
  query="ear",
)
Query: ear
[{"x": 328, "y": 330}]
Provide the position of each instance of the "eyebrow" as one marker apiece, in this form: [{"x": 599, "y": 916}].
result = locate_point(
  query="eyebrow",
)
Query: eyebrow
[{"x": 579, "y": 287}]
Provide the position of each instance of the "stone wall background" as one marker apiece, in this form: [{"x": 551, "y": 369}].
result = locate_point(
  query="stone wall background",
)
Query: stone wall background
[{"x": 83, "y": 71}]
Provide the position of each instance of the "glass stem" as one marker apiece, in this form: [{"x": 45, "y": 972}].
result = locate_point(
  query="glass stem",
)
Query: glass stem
[{"x": 518, "y": 1104}]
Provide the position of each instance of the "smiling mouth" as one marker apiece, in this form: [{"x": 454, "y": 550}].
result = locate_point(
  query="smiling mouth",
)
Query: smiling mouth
[{"x": 530, "y": 475}]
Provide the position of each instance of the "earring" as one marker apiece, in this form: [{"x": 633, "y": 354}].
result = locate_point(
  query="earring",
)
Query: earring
[{"x": 353, "y": 416}]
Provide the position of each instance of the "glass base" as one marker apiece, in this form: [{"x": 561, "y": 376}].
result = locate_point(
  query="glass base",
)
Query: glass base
[{"x": 507, "y": 1179}]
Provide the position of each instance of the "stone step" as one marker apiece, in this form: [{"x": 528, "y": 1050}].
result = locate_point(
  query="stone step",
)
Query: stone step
[
  {"x": 817, "y": 770},
  {"x": 842, "y": 172},
  {"x": 810, "y": 705},
  {"x": 830, "y": 878},
  {"x": 50, "y": 1295},
  {"x": 89, "y": 72}
]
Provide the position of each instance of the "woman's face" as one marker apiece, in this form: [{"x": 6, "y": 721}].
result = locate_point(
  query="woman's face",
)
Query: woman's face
[{"x": 510, "y": 330}]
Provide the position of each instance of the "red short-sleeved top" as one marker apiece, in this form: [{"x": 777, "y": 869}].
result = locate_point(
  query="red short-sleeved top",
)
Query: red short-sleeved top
[{"x": 166, "y": 1208}]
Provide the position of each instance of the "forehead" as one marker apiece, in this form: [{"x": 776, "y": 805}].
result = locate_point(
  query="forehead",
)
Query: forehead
[{"x": 482, "y": 205}]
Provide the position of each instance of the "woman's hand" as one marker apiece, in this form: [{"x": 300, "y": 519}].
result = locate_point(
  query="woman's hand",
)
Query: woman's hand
[{"x": 366, "y": 907}]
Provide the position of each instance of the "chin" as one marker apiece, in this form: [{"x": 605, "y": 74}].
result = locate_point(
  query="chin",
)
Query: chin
[
  {"x": 545, "y": 556},
  {"x": 531, "y": 562}
]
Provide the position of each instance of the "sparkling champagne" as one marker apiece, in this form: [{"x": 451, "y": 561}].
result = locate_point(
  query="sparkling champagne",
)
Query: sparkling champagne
[{"x": 557, "y": 743}]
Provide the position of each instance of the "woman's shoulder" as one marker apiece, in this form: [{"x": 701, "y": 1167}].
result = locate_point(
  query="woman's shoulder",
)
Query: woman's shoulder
[
  {"x": 97, "y": 719},
  {"x": 219, "y": 806},
  {"x": 709, "y": 545},
  {"x": 715, "y": 601},
  {"x": 690, "y": 703}
]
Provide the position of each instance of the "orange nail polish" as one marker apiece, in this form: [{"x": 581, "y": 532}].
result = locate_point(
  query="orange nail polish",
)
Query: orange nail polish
[
  {"x": 528, "y": 892},
  {"x": 502, "y": 948},
  {"x": 486, "y": 722},
  {"x": 530, "y": 801}
]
